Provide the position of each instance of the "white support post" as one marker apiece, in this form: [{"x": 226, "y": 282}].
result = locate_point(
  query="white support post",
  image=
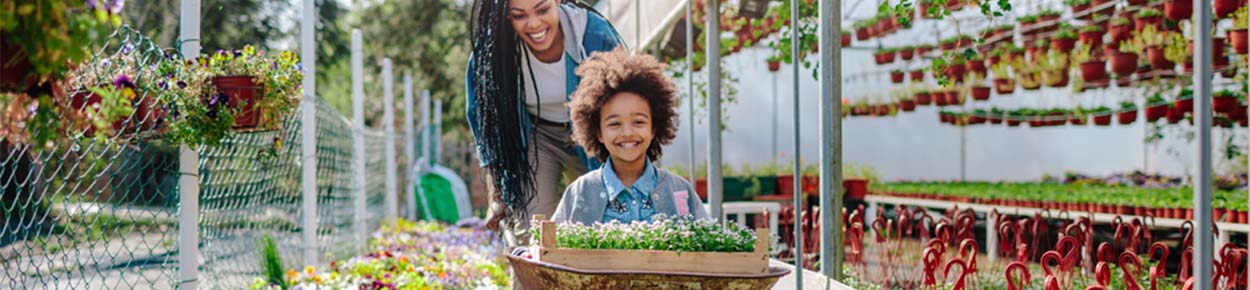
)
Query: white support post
[
  {"x": 388, "y": 123},
  {"x": 1203, "y": 247},
  {"x": 690, "y": 87},
  {"x": 991, "y": 236},
  {"x": 358, "y": 139},
  {"x": 189, "y": 167},
  {"x": 308, "y": 128},
  {"x": 714, "y": 189},
  {"x": 436, "y": 131},
  {"x": 830, "y": 138},
  {"x": 410, "y": 149}
]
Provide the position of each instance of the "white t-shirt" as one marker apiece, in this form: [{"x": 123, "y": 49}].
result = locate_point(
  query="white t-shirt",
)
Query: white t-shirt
[{"x": 550, "y": 78}]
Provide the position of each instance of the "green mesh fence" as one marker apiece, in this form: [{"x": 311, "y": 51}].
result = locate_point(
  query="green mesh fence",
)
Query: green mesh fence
[{"x": 102, "y": 213}]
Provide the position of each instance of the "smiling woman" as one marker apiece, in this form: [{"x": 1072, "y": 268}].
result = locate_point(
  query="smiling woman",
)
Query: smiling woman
[{"x": 519, "y": 80}]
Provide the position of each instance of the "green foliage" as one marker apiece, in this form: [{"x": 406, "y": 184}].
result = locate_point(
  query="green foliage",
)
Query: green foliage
[
  {"x": 1128, "y": 105},
  {"x": 1176, "y": 47},
  {"x": 56, "y": 34},
  {"x": 1065, "y": 31},
  {"x": 1121, "y": 21},
  {"x": 1027, "y": 18},
  {"x": 1086, "y": 193},
  {"x": 1075, "y": 2},
  {"x": 1240, "y": 18},
  {"x": 1081, "y": 54},
  {"x": 1090, "y": 28},
  {"x": 271, "y": 262},
  {"x": 1149, "y": 12},
  {"x": 681, "y": 234}
]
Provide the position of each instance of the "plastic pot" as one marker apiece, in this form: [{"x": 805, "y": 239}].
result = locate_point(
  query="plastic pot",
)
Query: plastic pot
[
  {"x": 242, "y": 94},
  {"x": 1004, "y": 86},
  {"x": 1094, "y": 71},
  {"x": 1238, "y": 37},
  {"x": 1156, "y": 112},
  {"x": 1142, "y": 22},
  {"x": 1091, "y": 38},
  {"x": 1177, "y": 10},
  {"x": 1123, "y": 63},
  {"x": 1225, "y": 105},
  {"x": 1157, "y": 59},
  {"x": 980, "y": 93},
  {"x": 923, "y": 98},
  {"x": 774, "y": 65},
  {"x": 1126, "y": 117},
  {"x": 1062, "y": 44},
  {"x": 896, "y": 77},
  {"x": 1103, "y": 120},
  {"x": 907, "y": 105},
  {"x": 916, "y": 75}
]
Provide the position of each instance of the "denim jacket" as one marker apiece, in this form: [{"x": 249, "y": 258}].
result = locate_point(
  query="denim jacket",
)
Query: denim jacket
[{"x": 594, "y": 34}]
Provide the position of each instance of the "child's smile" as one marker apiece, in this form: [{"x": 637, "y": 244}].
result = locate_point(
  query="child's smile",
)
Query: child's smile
[{"x": 625, "y": 122}]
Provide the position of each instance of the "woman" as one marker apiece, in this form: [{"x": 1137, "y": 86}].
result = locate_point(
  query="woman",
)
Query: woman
[{"x": 517, "y": 96}]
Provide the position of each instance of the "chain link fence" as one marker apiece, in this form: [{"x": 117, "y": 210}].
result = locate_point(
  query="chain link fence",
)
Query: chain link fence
[{"x": 101, "y": 212}]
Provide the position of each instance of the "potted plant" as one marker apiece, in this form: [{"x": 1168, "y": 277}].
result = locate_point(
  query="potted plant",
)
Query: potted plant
[
  {"x": 1156, "y": 107},
  {"x": 1048, "y": 18},
  {"x": 1147, "y": 17},
  {"x": 1003, "y": 83},
  {"x": 1055, "y": 69},
  {"x": 923, "y": 49},
  {"x": 116, "y": 94},
  {"x": 774, "y": 63},
  {"x": 906, "y": 52},
  {"x": 258, "y": 89},
  {"x": 924, "y": 97},
  {"x": 1177, "y": 10},
  {"x": 1027, "y": 23},
  {"x": 861, "y": 29},
  {"x": 1064, "y": 38},
  {"x": 1005, "y": 32},
  {"x": 905, "y": 101},
  {"x": 1029, "y": 76},
  {"x": 1224, "y": 101},
  {"x": 884, "y": 55},
  {"x": 1078, "y": 7},
  {"x": 1153, "y": 40},
  {"x": 1121, "y": 29},
  {"x": 948, "y": 44},
  {"x": 1093, "y": 71},
  {"x": 1077, "y": 117},
  {"x": 1238, "y": 34},
  {"x": 1128, "y": 113},
  {"x": 955, "y": 69},
  {"x": 41, "y": 40},
  {"x": 1124, "y": 60},
  {"x": 995, "y": 116},
  {"x": 980, "y": 91},
  {"x": 1091, "y": 35},
  {"x": 1176, "y": 49},
  {"x": 1102, "y": 115},
  {"x": 916, "y": 75},
  {"x": 896, "y": 76}
]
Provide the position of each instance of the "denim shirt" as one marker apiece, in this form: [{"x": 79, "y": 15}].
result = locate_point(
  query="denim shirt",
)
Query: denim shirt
[{"x": 630, "y": 204}]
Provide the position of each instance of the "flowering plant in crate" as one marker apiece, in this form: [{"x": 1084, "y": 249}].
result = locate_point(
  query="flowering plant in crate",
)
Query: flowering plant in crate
[{"x": 682, "y": 234}]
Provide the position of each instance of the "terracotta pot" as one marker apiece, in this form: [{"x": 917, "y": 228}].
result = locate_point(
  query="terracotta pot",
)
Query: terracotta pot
[
  {"x": 1091, "y": 38},
  {"x": 1157, "y": 59},
  {"x": 1225, "y": 105},
  {"x": 1120, "y": 33},
  {"x": 907, "y": 105},
  {"x": 855, "y": 189},
  {"x": 896, "y": 77},
  {"x": 977, "y": 66},
  {"x": 774, "y": 65},
  {"x": 241, "y": 91},
  {"x": 1142, "y": 22},
  {"x": 846, "y": 40},
  {"x": 1094, "y": 71},
  {"x": 955, "y": 72},
  {"x": 1126, "y": 117},
  {"x": 924, "y": 98},
  {"x": 1238, "y": 37},
  {"x": 861, "y": 34},
  {"x": 922, "y": 50},
  {"x": 1123, "y": 63},
  {"x": 1175, "y": 116},
  {"x": 884, "y": 57},
  {"x": 1178, "y": 9},
  {"x": 1222, "y": 8},
  {"x": 954, "y": 98},
  {"x": 916, "y": 75},
  {"x": 1062, "y": 44},
  {"x": 1156, "y": 112},
  {"x": 1185, "y": 105},
  {"x": 1103, "y": 120},
  {"x": 1004, "y": 86}
]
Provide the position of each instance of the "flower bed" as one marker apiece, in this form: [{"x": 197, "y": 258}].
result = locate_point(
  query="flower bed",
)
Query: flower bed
[
  {"x": 413, "y": 255},
  {"x": 681, "y": 234}
]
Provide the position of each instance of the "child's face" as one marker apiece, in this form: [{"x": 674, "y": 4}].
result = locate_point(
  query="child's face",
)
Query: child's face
[{"x": 625, "y": 127}]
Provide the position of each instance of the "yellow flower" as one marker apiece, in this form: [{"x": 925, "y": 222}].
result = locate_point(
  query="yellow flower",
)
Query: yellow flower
[
  {"x": 291, "y": 273},
  {"x": 317, "y": 279},
  {"x": 309, "y": 270}
]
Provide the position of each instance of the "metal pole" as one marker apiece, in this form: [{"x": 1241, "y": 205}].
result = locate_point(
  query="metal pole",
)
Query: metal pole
[
  {"x": 963, "y": 153},
  {"x": 830, "y": 138},
  {"x": 410, "y": 148},
  {"x": 798, "y": 175},
  {"x": 425, "y": 127},
  {"x": 776, "y": 102},
  {"x": 388, "y": 123},
  {"x": 1202, "y": 112},
  {"x": 358, "y": 137},
  {"x": 308, "y": 128},
  {"x": 690, "y": 83},
  {"x": 715, "y": 196},
  {"x": 638, "y": 26},
  {"x": 436, "y": 132},
  {"x": 189, "y": 167}
]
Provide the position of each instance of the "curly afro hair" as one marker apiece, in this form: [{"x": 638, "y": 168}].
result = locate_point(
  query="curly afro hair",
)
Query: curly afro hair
[{"x": 606, "y": 74}]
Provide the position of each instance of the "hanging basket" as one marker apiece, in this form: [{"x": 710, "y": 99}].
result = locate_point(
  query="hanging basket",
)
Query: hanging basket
[
  {"x": 1178, "y": 10},
  {"x": 241, "y": 94},
  {"x": 924, "y": 98}
]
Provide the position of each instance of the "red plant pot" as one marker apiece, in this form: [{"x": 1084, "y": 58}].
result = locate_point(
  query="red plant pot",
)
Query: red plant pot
[
  {"x": 785, "y": 185},
  {"x": 896, "y": 77},
  {"x": 995, "y": 119},
  {"x": 1242, "y": 217},
  {"x": 1077, "y": 120},
  {"x": 1004, "y": 86},
  {"x": 846, "y": 40},
  {"x": 1077, "y": 9},
  {"x": 906, "y": 54},
  {"x": 955, "y": 72},
  {"x": 884, "y": 57},
  {"x": 1175, "y": 116},
  {"x": 1185, "y": 105},
  {"x": 977, "y": 66},
  {"x": 1142, "y": 22},
  {"x": 916, "y": 75},
  {"x": 240, "y": 91},
  {"x": 922, "y": 50},
  {"x": 907, "y": 105},
  {"x": 1102, "y": 120},
  {"x": 947, "y": 46},
  {"x": 1123, "y": 63},
  {"x": 774, "y": 66},
  {"x": 1156, "y": 112},
  {"x": 1178, "y": 9},
  {"x": 1126, "y": 117},
  {"x": 1061, "y": 82},
  {"x": 700, "y": 188},
  {"x": 953, "y": 98},
  {"x": 855, "y": 189},
  {"x": 882, "y": 110},
  {"x": 939, "y": 99},
  {"x": 1223, "y": 8},
  {"x": 1226, "y": 105},
  {"x": 861, "y": 34},
  {"x": 1062, "y": 44},
  {"x": 924, "y": 98},
  {"x": 1238, "y": 37},
  {"x": 980, "y": 93},
  {"x": 84, "y": 100},
  {"x": 1094, "y": 71},
  {"x": 1120, "y": 33},
  {"x": 1157, "y": 59},
  {"x": 1091, "y": 38}
]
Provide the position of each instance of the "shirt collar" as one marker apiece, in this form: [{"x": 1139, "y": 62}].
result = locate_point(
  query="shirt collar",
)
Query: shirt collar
[{"x": 645, "y": 183}]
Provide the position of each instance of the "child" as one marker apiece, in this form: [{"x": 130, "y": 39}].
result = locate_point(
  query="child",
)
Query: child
[{"x": 622, "y": 113}]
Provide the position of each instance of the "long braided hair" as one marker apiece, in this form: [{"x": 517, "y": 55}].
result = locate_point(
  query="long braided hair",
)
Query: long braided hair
[{"x": 497, "y": 85}]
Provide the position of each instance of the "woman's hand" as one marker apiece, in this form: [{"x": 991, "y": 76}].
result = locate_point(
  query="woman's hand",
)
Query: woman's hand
[{"x": 496, "y": 210}]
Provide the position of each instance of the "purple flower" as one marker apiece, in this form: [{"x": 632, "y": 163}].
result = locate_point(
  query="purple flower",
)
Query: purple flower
[
  {"x": 123, "y": 81},
  {"x": 116, "y": 8},
  {"x": 126, "y": 49},
  {"x": 182, "y": 84},
  {"x": 91, "y": 4}
]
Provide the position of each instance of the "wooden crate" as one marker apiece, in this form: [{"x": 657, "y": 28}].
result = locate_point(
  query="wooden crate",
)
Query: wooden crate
[{"x": 649, "y": 260}]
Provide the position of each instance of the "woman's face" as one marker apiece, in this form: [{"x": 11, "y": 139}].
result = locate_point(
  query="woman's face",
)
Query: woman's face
[
  {"x": 537, "y": 22},
  {"x": 625, "y": 127}
]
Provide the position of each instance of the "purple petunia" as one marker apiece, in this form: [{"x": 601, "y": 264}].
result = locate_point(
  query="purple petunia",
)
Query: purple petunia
[
  {"x": 123, "y": 81},
  {"x": 116, "y": 8}
]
